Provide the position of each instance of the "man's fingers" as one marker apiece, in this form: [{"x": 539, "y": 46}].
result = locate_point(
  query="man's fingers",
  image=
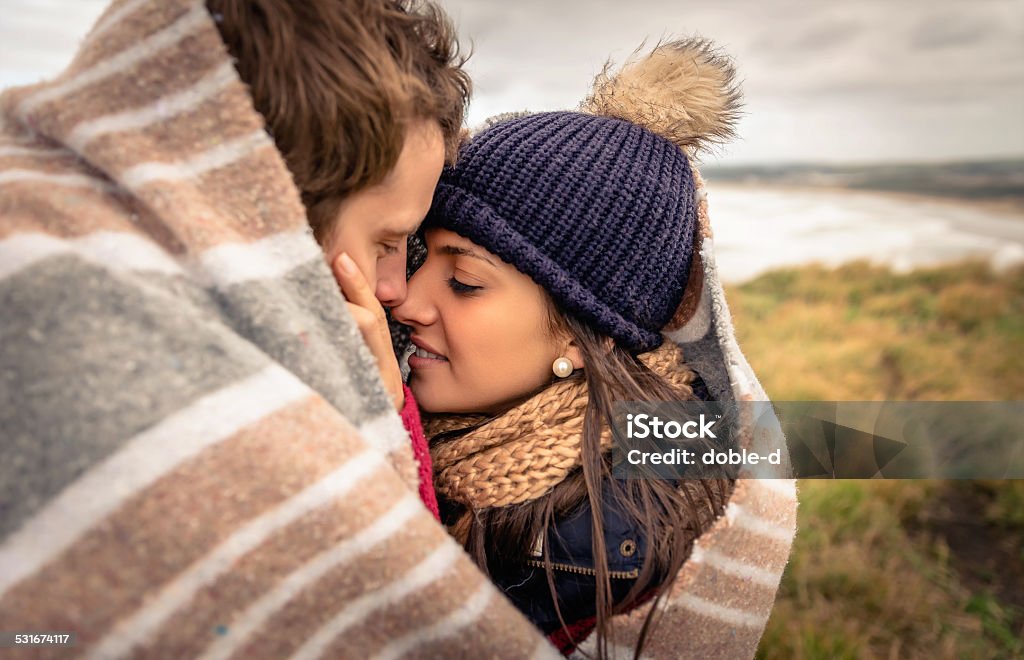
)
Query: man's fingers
[
  {"x": 374, "y": 328},
  {"x": 380, "y": 347},
  {"x": 369, "y": 316},
  {"x": 353, "y": 284},
  {"x": 365, "y": 321}
]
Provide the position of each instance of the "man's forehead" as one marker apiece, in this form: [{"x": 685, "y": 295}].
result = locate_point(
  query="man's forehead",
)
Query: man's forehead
[{"x": 402, "y": 226}]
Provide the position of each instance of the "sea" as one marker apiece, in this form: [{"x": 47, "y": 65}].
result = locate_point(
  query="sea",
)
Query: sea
[{"x": 760, "y": 228}]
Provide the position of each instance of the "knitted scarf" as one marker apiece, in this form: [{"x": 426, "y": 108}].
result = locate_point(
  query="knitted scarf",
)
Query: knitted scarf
[
  {"x": 199, "y": 456},
  {"x": 524, "y": 453}
]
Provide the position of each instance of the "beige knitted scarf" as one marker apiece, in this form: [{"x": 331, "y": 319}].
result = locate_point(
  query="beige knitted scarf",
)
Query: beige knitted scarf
[{"x": 524, "y": 453}]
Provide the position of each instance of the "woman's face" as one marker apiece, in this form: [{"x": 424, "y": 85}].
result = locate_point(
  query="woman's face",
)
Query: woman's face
[{"x": 480, "y": 327}]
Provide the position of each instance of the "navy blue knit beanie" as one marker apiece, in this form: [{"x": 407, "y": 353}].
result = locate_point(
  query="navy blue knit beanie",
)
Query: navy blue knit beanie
[{"x": 599, "y": 211}]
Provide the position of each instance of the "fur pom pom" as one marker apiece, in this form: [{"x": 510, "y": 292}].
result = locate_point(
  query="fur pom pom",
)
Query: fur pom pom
[{"x": 685, "y": 91}]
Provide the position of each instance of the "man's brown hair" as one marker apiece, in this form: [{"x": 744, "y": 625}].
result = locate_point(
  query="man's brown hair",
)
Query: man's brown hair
[{"x": 340, "y": 81}]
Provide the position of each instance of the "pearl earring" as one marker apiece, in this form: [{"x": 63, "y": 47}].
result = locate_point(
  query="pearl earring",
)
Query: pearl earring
[{"x": 562, "y": 367}]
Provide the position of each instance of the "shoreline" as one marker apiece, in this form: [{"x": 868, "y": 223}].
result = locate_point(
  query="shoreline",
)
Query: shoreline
[{"x": 1011, "y": 209}]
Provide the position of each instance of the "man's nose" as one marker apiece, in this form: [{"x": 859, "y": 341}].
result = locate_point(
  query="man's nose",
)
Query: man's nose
[
  {"x": 391, "y": 286},
  {"x": 416, "y": 309}
]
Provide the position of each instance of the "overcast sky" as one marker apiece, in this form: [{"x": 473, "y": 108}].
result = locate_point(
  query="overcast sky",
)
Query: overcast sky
[{"x": 901, "y": 80}]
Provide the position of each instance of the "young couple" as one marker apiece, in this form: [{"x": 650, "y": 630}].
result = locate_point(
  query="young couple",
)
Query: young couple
[
  {"x": 559, "y": 246},
  {"x": 197, "y": 425}
]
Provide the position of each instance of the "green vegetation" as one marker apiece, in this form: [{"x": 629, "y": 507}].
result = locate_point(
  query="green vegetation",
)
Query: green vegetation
[{"x": 930, "y": 569}]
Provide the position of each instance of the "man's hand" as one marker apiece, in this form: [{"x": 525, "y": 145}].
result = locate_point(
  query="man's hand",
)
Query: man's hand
[{"x": 369, "y": 316}]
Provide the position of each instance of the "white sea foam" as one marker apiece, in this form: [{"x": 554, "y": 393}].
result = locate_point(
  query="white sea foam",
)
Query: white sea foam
[{"x": 760, "y": 228}]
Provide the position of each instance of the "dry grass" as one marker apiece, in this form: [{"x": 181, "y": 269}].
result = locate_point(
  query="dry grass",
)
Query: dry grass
[
  {"x": 875, "y": 572},
  {"x": 860, "y": 332}
]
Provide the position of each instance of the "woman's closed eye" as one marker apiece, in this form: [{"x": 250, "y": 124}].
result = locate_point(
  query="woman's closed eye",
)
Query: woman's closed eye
[{"x": 462, "y": 288}]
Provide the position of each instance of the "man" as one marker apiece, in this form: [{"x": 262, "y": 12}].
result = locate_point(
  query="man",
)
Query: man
[
  {"x": 200, "y": 458},
  {"x": 365, "y": 106}
]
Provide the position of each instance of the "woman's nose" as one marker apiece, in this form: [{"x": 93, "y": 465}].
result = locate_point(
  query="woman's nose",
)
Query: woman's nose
[{"x": 417, "y": 309}]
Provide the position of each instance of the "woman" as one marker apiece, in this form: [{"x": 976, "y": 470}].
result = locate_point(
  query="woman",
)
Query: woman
[
  {"x": 521, "y": 480},
  {"x": 559, "y": 247}
]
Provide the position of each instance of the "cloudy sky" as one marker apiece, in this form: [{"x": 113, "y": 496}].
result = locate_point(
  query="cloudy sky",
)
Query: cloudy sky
[{"x": 899, "y": 80}]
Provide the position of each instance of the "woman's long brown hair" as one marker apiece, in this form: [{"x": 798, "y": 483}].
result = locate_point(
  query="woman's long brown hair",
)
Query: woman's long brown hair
[{"x": 670, "y": 516}]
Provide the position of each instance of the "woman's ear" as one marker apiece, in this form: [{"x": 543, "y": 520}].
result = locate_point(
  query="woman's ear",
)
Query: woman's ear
[{"x": 575, "y": 355}]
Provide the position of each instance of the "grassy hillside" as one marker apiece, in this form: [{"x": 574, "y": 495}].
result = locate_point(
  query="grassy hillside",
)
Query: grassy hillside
[
  {"x": 860, "y": 332},
  {"x": 929, "y": 569}
]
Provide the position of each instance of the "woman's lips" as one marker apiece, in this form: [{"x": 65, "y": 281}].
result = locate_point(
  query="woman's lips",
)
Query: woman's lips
[{"x": 424, "y": 356}]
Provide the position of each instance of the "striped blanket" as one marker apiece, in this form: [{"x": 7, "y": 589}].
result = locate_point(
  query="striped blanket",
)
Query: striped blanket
[{"x": 199, "y": 456}]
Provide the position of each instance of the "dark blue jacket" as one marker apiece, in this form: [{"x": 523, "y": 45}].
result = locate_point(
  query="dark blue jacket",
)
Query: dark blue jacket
[
  {"x": 570, "y": 551},
  {"x": 569, "y": 543}
]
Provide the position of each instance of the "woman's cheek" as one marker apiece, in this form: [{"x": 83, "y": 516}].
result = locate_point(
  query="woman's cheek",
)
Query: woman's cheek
[{"x": 479, "y": 368}]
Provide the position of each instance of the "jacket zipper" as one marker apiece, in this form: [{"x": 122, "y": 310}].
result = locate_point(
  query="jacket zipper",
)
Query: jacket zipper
[{"x": 624, "y": 575}]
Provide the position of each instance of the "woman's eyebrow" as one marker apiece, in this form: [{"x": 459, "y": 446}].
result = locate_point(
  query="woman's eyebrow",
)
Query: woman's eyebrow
[{"x": 456, "y": 251}]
